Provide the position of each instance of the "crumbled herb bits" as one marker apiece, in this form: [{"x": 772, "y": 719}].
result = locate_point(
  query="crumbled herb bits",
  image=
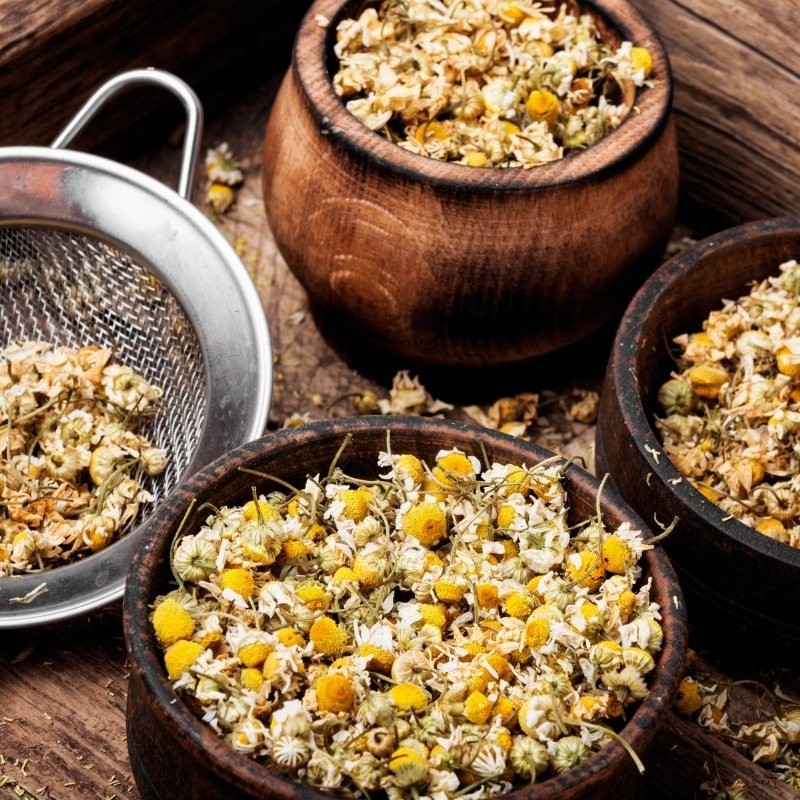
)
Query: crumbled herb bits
[
  {"x": 438, "y": 630},
  {"x": 486, "y": 82},
  {"x": 732, "y": 407}
]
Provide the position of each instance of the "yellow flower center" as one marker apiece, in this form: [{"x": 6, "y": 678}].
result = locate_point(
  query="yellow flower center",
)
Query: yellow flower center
[
  {"x": 380, "y": 660},
  {"x": 477, "y": 708},
  {"x": 486, "y": 595},
  {"x": 642, "y": 60},
  {"x": 586, "y": 569},
  {"x": 294, "y": 549},
  {"x": 238, "y": 580},
  {"x": 408, "y": 466},
  {"x": 537, "y": 632},
  {"x": 251, "y": 510},
  {"x": 626, "y": 604},
  {"x": 289, "y": 636},
  {"x": 179, "y": 656},
  {"x": 688, "y": 698},
  {"x": 335, "y": 693},
  {"x": 433, "y": 614},
  {"x": 452, "y": 468},
  {"x": 615, "y": 554},
  {"x": 518, "y": 605},
  {"x": 251, "y": 679},
  {"x": 328, "y": 638},
  {"x": 425, "y": 522},
  {"x": 367, "y": 572},
  {"x": 253, "y": 654},
  {"x": 506, "y": 516},
  {"x": 356, "y": 503},
  {"x": 314, "y": 596},
  {"x": 172, "y": 622},
  {"x": 707, "y": 380},
  {"x": 449, "y": 592},
  {"x": 407, "y": 696},
  {"x": 543, "y": 106}
]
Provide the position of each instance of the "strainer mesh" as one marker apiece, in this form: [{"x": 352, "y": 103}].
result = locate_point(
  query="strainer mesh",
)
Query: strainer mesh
[{"x": 72, "y": 290}]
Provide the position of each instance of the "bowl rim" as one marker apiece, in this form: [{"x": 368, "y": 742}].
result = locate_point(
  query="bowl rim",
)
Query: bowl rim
[
  {"x": 243, "y": 772},
  {"x": 629, "y": 343},
  {"x": 642, "y": 126}
]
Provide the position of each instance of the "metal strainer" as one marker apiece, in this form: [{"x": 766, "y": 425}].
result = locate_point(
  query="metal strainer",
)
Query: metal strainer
[{"x": 93, "y": 252}]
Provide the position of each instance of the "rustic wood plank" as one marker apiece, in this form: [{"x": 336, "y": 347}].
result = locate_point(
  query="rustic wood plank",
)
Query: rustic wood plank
[
  {"x": 54, "y": 54},
  {"x": 62, "y": 709},
  {"x": 737, "y": 82},
  {"x": 686, "y": 756}
]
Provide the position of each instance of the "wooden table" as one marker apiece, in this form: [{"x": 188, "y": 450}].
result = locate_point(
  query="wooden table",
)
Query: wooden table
[{"x": 63, "y": 687}]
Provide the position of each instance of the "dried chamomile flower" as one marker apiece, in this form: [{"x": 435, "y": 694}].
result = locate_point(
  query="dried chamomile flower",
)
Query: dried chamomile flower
[
  {"x": 222, "y": 167},
  {"x": 444, "y": 630},
  {"x": 223, "y": 175},
  {"x": 486, "y": 83},
  {"x": 71, "y": 463},
  {"x": 409, "y": 396},
  {"x": 732, "y": 418}
]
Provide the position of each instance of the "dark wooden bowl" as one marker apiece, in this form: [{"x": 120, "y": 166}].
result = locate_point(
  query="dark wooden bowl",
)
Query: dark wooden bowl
[
  {"x": 741, "y": 586},
  {"x": 175, "y": 756},
  {"x": 447, "y": 264}
]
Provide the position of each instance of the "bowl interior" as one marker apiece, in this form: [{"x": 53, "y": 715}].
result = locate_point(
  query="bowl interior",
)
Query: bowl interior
[
  {"x": 676, "y": 300},
  {"x": 292, "y": 455},
  {"x": 315, "y": 64}
]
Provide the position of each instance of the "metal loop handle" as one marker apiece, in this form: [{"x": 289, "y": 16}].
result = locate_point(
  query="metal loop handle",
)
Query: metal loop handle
[{"x": 187, "y": 96}]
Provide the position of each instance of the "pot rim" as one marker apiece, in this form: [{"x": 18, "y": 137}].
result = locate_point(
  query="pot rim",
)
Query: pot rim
[
  {"x": 243, "y": 772},
  {"x": 642, "y": 126},
  {"x": 628, "y": 346}
]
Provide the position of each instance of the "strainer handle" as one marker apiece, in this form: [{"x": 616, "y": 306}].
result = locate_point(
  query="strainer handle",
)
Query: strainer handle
[{"x": 135, "y": 77}]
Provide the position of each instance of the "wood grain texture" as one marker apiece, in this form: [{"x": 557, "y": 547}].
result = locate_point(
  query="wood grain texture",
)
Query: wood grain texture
[
  {"x": 54, "y": 54},
  {"x": 736, "y": 68},
  {"x": 62, "y": 706},
  {"x": 686, "y": 756},
  {"x": 460, "y": 266}
]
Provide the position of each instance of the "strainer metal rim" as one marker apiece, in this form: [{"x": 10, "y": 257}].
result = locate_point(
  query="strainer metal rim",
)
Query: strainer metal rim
[{"x": 100, "y": 198}]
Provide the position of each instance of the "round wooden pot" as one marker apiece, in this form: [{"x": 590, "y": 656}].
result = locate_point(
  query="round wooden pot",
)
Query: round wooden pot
[
  {"x": 174, "y": 755},
  {"x": 448, "y": 264},
  {"x": 741, "y": 586}
]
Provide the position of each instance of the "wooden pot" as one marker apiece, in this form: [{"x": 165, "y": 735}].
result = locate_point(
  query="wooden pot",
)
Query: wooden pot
[
  {"x": 741, "y": 586},
  {"x": 447, "y": 264},
  {"x": 174, "y": 755}
]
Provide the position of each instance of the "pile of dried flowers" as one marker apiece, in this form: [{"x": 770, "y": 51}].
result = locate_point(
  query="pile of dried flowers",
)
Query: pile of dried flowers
[
  {"x": 732, "y": 421},
  {"x": 485, "y": 82},
  {"x": 70, "y": 461},
  {"x": 439, "y": 632}
]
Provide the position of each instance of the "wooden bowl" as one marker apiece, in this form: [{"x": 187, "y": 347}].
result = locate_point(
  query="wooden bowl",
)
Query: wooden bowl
[
  {"x": 741, "y": 586},
  {"x": 448, "y": 264},
  {"x": 174, "y": 755}
]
